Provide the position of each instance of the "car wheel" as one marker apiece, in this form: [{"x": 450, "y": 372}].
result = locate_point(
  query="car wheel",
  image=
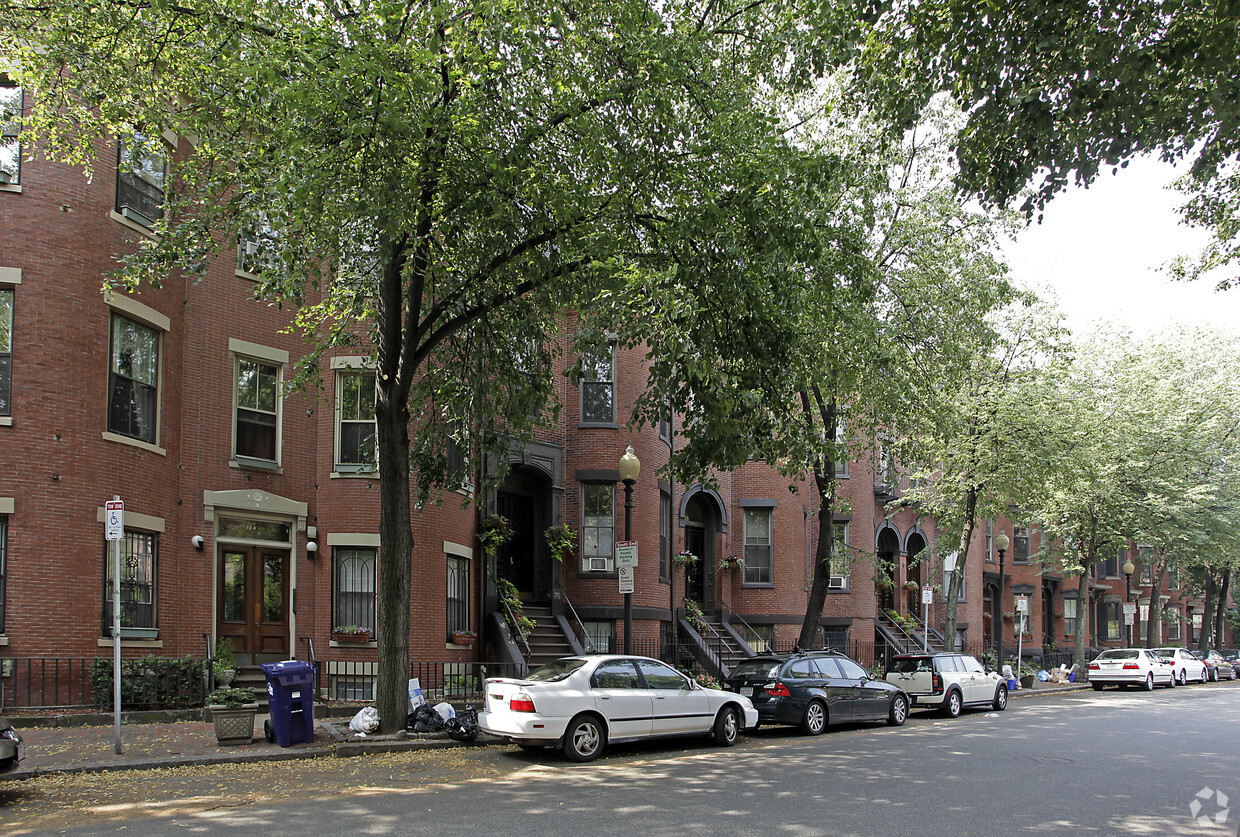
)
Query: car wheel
[
  {"x": 1183, "y": 677},
  {"x": 1149, "y": 682},
  {"x": 952, "y": 704},
  {"x": 1171, "y": 684},
  {"x": 1001, "y": 697},
  {"x": 583, "y": 740},
  {"x": 727, "y": 727},
  {"x": 1097, "y": 686},
  {"x": 1213, "y": 675},
  {"x": 814, "y": 721},
  {"x": 1205, "y": 676},
  {"x": 899, "y": 711}
]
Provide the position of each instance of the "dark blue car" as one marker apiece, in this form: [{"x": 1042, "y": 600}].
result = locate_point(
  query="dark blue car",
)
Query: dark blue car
[{"x": 812, "y": 689}]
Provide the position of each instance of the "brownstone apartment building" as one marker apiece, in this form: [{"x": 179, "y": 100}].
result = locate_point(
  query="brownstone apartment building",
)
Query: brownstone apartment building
[{"x": 251, "y": 515}]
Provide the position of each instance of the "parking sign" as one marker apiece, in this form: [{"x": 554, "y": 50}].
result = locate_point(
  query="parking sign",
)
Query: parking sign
[{"x": 114, "y": 518}]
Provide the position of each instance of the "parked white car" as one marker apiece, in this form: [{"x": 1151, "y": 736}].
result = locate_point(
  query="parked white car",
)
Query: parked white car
[
  {"x": 1187, "y": 666},
  {"x": 947, "y": 681},
  {"x": 581, "y": 704},
  {"x": 1131, "y": 667}
]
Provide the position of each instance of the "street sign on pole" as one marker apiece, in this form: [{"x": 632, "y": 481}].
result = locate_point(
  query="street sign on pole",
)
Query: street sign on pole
[
  {"x": 927, "y": 595},
  {"x": 626, "y": 554},
  {"x": 114, "y": 523},
  {"x": 1022, "y": 604},
  {"x": 114, "y": 519},
  {"x": 625, "y": 574},
  {"x": 1130, "y": 613}
]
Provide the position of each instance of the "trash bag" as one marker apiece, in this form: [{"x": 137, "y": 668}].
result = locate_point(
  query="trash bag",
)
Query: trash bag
[
  {"x": 366, "y": 720},
  {"x": 424, "y": 719},
  {"x": 445, "y": 710}
]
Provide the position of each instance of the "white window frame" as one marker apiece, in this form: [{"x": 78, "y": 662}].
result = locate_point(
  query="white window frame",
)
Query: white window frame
[
  {"x": 1071, "y": 623},
  {"x": 355, "y": 548},
  {"x": 11, "y": 108},
  {"x": 150, "y": 170},
  {"x": 841, "y": 558},
  {"x": 1174, "y": 630},
  {"x": 591, "y": 363},
  {"x": 258, "y": 249},
  {"x": 347, "y": 370},
  {"x": 593, "y": 528},
  {"x": 759, "y": 545},
  {"x": 7, "y": 300},
  {"x": 246, "y": 352}
]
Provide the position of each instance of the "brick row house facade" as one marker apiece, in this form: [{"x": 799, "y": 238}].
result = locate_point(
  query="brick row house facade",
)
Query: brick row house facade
[{"x": 251, "y": 514}]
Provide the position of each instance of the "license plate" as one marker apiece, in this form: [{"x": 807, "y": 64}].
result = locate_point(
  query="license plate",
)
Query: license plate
[{"x": 747, "y": 691}]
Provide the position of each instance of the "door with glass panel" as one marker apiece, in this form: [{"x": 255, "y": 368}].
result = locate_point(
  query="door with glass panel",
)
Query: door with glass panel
[{"x": 253, "y": 602}]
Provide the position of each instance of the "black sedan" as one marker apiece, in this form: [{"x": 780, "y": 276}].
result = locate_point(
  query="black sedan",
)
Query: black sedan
[{"x": 815, "y": 688}]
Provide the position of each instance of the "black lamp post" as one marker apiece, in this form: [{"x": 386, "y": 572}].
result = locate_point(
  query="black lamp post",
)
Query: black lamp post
[
  {"x": 630, "y": 467},
  {"x": 1001, "y": 544},
  {"x": 1129, "y": 568}
]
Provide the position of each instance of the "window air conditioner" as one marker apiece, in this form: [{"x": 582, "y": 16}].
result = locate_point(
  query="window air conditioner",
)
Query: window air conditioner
[{"x": 837, "y": 582}]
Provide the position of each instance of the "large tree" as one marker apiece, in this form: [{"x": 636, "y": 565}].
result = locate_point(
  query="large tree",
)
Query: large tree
[
  {"x": 435, "y": 182},
  {"x": 1059, "y": 91}
]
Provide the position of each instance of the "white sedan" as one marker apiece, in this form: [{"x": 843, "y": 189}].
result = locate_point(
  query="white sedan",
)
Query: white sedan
[
  {"x": 1131, "y": 667},
  {"x": 582, "y": 703},
  {"x": 1187, "y": 666}
]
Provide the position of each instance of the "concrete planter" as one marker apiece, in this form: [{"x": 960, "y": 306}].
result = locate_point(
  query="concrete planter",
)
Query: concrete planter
[{"x": 234, "y": 725}]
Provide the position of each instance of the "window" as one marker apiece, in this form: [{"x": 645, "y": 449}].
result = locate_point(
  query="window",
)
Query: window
[
  {"x": 258, "y": 248},
  {"x": 1109, "y": 568},
  {"x": 885, "y": 468},
  {"x": 665, "y": 422},
  {"x": 458, "y": 594},
  {"x": 1110, "y": 620},
  {"x": 598, "y": 524},
  {"x": 459, "y": 478},
  {"x": 257, "y": 415},
  {"x": 1020, "y": 544},
  {"x": 353, "y": 577},
  {"x": 1069, "y": 617},
  {"x": 10, "y": 130},
  {"x": 990, "y": 541},
  {"x": 133, "y": 377},
  {"x": 758, "y": 546},
  {"x": 758, "y": 637},
  {"x": 139, "y": 562},
  {"x": 141, "y": 172},
  {"x": 1143, "y": 619},
  {"x": 6, "y": 351},
  {"x": 841, "y": 559},
  {"x": 601, "y": 636},
  {"x": 356, "y": 433},
  {"x": 1173, "y": 624},
  {"x": 665, "y": 535},
  {"x": 4, "y": 564},
  {"x": 598, "y": 387},
  {"x": 1145, "y": 566}
]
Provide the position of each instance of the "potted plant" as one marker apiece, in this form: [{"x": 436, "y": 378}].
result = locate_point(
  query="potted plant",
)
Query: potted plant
[
  {"x": 911, "y": 586},
  {"x": 351, "y": 634},
  {"x": 694, "y": 615},
  {"x": 463, "y": 637},
  {"x": 684, "y": 558},
  {"x": 1027, "y": 675},
  {"x": 513, "y": 615},
  {"x": 731, "y": 562},
  {"x": 224, "y": 665},
  {"x": 560, "y": 540},
  {"x": 232, "y": 712}
]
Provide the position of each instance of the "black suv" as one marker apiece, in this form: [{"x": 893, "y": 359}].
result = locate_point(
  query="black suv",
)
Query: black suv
[{"x": 815, "y": 688}]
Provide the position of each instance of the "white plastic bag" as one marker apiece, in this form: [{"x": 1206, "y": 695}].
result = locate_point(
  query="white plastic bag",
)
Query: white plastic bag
[
  {"x": 366, "y": 720},
  {"x": 445, "y": 710}
]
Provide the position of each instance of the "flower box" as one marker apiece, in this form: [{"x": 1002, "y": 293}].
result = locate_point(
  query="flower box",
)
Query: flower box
[
  {"x": 463, "y": 638},
  {"x": 351, "y": 637}
]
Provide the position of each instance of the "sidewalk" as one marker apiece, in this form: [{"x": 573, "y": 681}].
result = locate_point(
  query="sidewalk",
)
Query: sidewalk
[{"x": 85, "y": 744}]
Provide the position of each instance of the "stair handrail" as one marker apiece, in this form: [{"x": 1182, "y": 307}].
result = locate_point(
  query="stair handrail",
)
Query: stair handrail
[
  {"x": 895, "y": 627},
  {"x": 587, "y": 641},
  {"x": 206, "y": 637},
  {"x": 512, "y": 620},
  {"x": 734, "y": 615}
]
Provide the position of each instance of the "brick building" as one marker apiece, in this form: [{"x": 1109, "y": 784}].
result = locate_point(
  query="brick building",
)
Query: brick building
[{"x": 252, "y": 515}]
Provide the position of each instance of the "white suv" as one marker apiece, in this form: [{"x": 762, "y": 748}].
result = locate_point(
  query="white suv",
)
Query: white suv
[{"x": 948, "y": 681}]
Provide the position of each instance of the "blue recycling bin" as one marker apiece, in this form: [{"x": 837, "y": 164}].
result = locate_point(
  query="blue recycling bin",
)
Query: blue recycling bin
[{"x": 290, "y": 699}]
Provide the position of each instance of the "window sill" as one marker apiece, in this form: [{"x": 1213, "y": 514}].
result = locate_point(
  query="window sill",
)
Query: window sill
[
  {"x": 127, "y": 642},
  {"x": 247, "y": 464},
  {"x": 448, "y": 646},
  {"x": 610, "y": 425},
  {"x": 598, "y": 574},
  {"x": 133, "y": 225},
  {"x": 334, "y": 644},
  {"x": 758, "y": 585},
  {"x": 15, "y": 188},
  {"x": 4, "y": 640},
  {"x": 109, "y": 436},
  {"x": 245, "y": 274},
  {"x": 354, "y": 475},
  {"x": 6, "y": 421}
]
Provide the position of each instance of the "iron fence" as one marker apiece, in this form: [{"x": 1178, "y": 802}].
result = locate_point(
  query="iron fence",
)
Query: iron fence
[{"x": 39, "y": 683}]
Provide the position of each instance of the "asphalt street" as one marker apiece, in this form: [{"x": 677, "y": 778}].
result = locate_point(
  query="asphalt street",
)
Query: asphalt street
[{"x": 1109, "y": 763}]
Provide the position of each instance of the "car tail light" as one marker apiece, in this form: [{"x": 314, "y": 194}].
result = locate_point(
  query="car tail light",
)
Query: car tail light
[
  {"x": 776, "y": 690},
  {"x": 521, "y": 702},
  {"x": 936, "y": 682},
  {"x": 1093, "y": 666},
  {"x": 1131, "y": 666}
]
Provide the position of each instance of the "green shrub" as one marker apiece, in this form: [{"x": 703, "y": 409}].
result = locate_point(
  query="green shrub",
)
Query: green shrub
[{"x": 150, "y": 683}]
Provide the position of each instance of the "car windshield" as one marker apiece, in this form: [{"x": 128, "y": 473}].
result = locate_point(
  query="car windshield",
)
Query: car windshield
[
  {"x": 551, "y": 672},
  {"x": 1120, "y": 654},
  {"x": 906, "y": 665},
  {"x": 757, "y": 668}
]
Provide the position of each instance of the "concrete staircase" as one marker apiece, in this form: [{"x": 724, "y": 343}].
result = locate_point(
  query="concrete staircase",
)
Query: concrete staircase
[{"x": 547, "y": 642}]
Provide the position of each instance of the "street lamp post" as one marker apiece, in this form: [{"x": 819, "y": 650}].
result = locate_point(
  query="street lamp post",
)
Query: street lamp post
[
  {"x": 1129, "y": 568},
  {"x": 630, "y": 468},
  {"x": 1001, "y": 544}
]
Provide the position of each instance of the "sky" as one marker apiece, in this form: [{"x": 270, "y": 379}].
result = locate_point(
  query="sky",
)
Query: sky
[{"x": 1102, "y": 251}]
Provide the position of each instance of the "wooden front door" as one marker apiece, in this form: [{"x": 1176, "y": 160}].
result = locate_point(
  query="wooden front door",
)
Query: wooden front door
[{"x": 253, "y": 602}]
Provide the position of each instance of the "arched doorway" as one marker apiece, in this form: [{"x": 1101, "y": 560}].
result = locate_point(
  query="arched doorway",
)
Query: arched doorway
[
  {"x": 915, "y": 569},
  {"x": 886, "y": 548},
  {"x": 701, "y": 516},
  {"x": 525, "y": 499}
]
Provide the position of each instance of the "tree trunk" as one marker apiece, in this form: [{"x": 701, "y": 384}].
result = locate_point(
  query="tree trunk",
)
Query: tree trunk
[
  {"x": 395, "y": 561},
  {"x": 1207, "y": 611},
  {"x": 1153, "y": 631},
  {"x": 1082, "y": 626},
  {"x": 1220, "y": 608},
  {"x": 953, "y": 580},
  {"x": 824, "y": 479}
]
